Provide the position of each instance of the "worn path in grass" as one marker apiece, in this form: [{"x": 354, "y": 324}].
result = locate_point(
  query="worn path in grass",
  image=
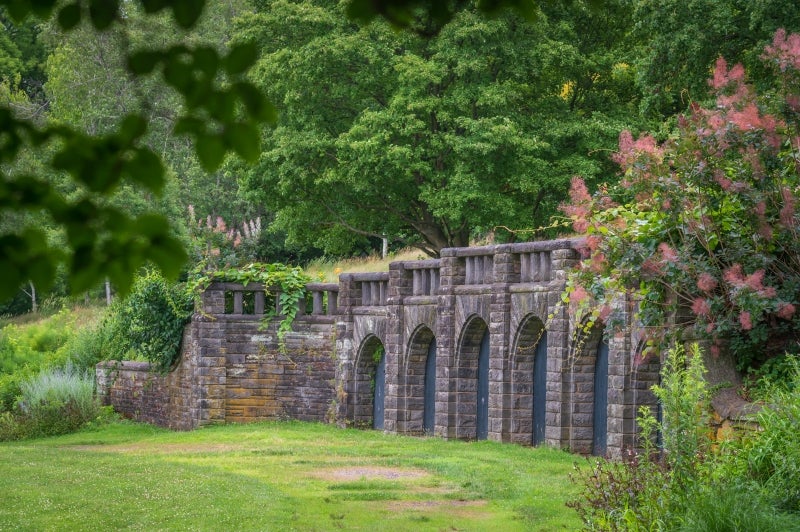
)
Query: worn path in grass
[{"x": 279, "y": 476}]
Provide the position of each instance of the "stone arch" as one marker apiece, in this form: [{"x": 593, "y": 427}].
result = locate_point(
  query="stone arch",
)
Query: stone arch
[
  {"x": 419, "y": 375},
  {"x": 528, "y": 362},
  {"x": 464, "y": 408},
  {"x": 367, "y": 384}
]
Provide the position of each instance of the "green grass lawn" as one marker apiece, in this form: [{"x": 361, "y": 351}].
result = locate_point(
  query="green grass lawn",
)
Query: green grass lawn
[{"x": 279, "y": 476}]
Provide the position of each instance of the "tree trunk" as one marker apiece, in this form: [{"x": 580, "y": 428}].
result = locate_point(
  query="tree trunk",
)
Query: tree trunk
[
  {"x": 34, "y": 304},
  {"x": 108, "y": 292}
]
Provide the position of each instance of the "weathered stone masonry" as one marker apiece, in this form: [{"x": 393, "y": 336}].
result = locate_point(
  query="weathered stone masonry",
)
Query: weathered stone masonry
[{"x": 232, "y": 371}]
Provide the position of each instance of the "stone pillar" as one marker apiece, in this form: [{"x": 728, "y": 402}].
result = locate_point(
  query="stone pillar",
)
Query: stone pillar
[
  {"x": 395, "y": 412},
  {"x": 506, "y": 271},
  {"x": 559, "y": 377},
  {"x": 343, "y": 410},
  {"x": 621, "y": 410},
  {"x": 450, "y": 276},
  {"x": 208, "y": 382}
]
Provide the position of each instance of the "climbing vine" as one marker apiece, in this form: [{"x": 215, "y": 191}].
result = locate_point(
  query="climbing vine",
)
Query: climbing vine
[{"x": 287, "y": 283}]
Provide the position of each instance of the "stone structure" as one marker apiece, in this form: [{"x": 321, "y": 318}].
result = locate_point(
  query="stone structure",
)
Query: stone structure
[{"x": 477, "y": 344}]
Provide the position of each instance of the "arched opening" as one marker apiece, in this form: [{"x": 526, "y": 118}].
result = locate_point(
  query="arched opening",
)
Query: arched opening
[
  {"x": 588, "y": 390},
  {"x": 471, "y": 405},
  {"x": 540, "y": 390},
  {"x": 420, "y": 383},
  {"x": 482, "y": 422},
  {"x": 600, "y": 401},
  {"x": 369, "y": 387},
  {"x": 379, "y": 393},
  {"x": 429, "y": 409},
  {"x": 529, "y": 383}
]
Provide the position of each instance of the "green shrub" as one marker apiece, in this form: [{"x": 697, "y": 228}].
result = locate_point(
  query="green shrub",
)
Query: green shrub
[
  {"x": 149, "y": 322},
  {"x": 57, "y": 401},
  {"x": 89, "y": 346},
  {"x": 9, "y": 427},
  {"x": 751, "y": 484},
  {"x": 772, "y": 456}
]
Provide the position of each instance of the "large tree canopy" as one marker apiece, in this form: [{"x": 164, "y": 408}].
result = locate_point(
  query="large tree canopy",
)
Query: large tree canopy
[
  {"x": 425, "y": 140},
  {"x": 681, "y": 40},
  {"x": 220, "y": 113}
]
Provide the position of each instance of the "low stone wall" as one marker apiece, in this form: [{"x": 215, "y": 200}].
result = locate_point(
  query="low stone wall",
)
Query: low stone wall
[
  {"x": 135, "y": 391},
  {"x": 231, "y": 370}
]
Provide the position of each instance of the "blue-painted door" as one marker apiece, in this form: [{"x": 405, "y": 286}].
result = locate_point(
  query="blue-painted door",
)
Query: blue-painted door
[
  {"x": 600, "y": 417},
  {"x": 380, "y": 393},
  {"x": 429, "y": 409},
  {"x": 540, "y": 390},
  {"x": 482, "y": 421}
]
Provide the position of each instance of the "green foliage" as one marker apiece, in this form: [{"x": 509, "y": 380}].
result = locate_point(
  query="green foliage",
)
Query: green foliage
[
  {"x": 680, "y": 41},
  {"x": 428, "y": 140},
  {"x": 686, "y": 406},
  {"x": 28, "y": 349},
  {"x": 731, "y": 505},
  {"x": 150, "y": 321},
  {"x": 751, "y": 484},
  {"x": 221, "y": 112},
  {"x": 772, "y": 458},
  {"x": 288, "y": 282}
]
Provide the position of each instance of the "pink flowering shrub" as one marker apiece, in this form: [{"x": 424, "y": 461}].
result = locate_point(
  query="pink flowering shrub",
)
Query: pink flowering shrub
[
  {"x": 704, "y": 226},
  {"x": 217, "y": 246}
]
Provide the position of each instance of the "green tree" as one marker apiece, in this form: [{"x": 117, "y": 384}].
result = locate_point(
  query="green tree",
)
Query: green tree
[
  {"x": 222, "y": 113},
  {"x": 427, "y": 140},
  {"x": 680, "y": 41}
]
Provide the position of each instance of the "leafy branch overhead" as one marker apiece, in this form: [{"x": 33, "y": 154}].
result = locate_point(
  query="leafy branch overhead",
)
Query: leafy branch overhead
[{"x": 222, "y": 112}]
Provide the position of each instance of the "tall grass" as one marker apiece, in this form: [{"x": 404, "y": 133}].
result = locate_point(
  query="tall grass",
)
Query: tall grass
[
  {"x": 59, "y": 386},
  {"x": 55, "y": 401},
  {"x": 327, "y": 270}
]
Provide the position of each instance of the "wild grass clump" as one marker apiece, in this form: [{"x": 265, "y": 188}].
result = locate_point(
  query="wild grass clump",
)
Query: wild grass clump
[
  {"x": 55, "y": 401},
  {"x": 747, "y": 484}
]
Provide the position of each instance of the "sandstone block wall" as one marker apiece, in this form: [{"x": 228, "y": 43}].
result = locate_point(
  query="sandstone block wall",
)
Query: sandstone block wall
[{"x": 232, "y": 369}]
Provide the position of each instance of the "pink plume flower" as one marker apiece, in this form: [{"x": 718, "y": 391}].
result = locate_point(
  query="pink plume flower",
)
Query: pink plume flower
[
  {"x": 579, "y": 294},
  {"x": 745, "y": 320},
  {"x": 785, "y": 50},
  {"x": 734, "y": 276},
  {"x": 668, "y": 252},
  {"x": 785, "y": 310},
  {"x": 701, "y": 307},
  {"x": 706, "y": 282}
]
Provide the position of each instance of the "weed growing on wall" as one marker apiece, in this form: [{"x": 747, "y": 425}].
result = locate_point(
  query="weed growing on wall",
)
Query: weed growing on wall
[{"x": 287, "y": 283}]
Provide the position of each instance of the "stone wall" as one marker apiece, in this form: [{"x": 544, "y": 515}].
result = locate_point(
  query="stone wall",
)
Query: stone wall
[{"x": 232, "y": 368}]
